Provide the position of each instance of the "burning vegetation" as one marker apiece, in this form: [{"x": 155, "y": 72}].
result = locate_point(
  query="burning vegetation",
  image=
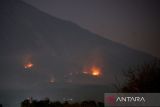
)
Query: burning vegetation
[{"x": 93, "y": 71}]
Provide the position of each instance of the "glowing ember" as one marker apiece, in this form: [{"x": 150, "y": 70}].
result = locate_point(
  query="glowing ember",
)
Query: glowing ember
[
  {"x": 52, "y": 81},
  {"x": 28, "y": 65},
  {"x": 95, "y": 71}
]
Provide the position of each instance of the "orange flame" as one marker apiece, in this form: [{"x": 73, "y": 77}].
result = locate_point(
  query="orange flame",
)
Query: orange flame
[
  {"x": 95, "y": 71},
  {"x": 28, "y": 65}
]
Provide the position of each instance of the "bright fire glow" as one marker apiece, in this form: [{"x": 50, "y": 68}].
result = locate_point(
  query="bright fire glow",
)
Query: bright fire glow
[
  {"x": 95, "y": 71},
  {"x": 28, "y": 65}
]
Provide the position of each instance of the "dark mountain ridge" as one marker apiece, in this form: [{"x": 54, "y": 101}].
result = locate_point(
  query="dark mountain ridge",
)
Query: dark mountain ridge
[{"x": 58, "y": 49}]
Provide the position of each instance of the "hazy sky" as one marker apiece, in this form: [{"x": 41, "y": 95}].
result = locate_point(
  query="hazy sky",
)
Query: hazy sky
[
  {"x": 43, "y": 56},
  {"x": 135, "y": 23}
]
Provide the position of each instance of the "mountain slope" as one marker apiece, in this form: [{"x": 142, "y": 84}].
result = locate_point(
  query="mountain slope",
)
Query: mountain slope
[{"x": 58, "y": 49}]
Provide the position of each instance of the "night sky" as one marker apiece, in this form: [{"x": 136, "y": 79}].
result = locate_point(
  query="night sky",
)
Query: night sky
[
  {"x": 135, "y": 23},
  {"x": 67, "y": 49}
]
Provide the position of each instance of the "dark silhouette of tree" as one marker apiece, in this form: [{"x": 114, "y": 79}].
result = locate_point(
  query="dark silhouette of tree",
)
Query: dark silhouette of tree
[
  {"x": 25, "y": 103},
  {"x": 58, "y": 104},
  {"x": 1, "y": 105},
  {"x": 34, "y": 103},
  {"x": 145, "y": 78},
  {"x": 100, "y": 104},
  {"x": 66, "y": 104},
  {"x": 88, "y": 104},
  {"x": 75, "y": 105},
  {"x": 84, "y": 104},
  {"x": 92, "y": 104},
  {"x": 48, "y": 103}
]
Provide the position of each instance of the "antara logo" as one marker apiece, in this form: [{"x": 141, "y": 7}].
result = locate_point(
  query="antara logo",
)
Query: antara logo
[
  {"x": 130, "y": 99},
  {"x": 112, "y": 100}
]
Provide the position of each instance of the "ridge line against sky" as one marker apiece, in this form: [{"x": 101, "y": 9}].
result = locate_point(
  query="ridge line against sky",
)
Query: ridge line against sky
[{"x": 131, "y": 22}]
